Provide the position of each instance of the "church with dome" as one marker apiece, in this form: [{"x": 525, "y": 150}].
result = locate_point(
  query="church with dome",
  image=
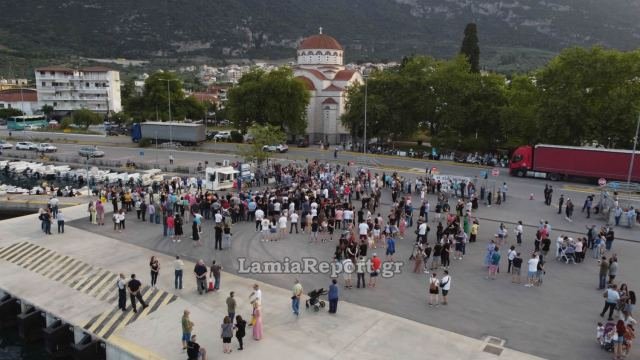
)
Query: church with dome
[{"x": 320, "y": 66}]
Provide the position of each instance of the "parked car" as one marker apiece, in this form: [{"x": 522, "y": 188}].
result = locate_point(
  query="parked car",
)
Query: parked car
[
  {"x": 303, "y": 143},
  {"x": 281, "y": 148},
  {"x": 5, "y": 145},
  {"x": 223, "y": 136},
  {"x": 211, "y": 135},
  {"x": 90, "y": 151},
  {"x": 46, "y": 147},
  {"x": 54, "y": 124},
  {"x": 33, "y": 127},
  {"x": 25, "y": 145}
]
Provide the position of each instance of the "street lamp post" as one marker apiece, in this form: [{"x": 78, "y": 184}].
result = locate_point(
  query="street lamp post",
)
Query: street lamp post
[
  {"x": 365, "y": 111},
  {"x": 633, "y": 154}
]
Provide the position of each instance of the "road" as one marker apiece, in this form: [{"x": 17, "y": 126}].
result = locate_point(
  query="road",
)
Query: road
[{"x": 119, "y": 149}]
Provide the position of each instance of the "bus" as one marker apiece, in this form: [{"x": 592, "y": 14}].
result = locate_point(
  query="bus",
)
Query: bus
[{"x": 32, "y": 122}]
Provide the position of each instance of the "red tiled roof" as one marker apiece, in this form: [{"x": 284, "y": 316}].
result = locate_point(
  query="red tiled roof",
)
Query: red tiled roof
[
  {"x": 320, "y": 41},
  {"x": 13, "y": 95},
  {"x": 333, "y": 88},
  {"x": 318, "y": 74},
  {"x": 344, "y": 75},
  {"x": 329, "y": 101},
  {"x": 205, "y": 97},
  {"x": 307, "y": 82}
]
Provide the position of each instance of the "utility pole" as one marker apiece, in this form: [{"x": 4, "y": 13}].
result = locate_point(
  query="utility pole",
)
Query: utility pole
[
  {"x": 365, "y": 111},
  {"x": 633, "y": 155}
]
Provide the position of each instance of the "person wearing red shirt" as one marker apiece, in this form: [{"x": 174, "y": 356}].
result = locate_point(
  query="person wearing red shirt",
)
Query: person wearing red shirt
[{"x": 376, "y": 263}]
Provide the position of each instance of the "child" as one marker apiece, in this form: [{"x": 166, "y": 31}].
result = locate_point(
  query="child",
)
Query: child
[{"x": 600, "y": 334}]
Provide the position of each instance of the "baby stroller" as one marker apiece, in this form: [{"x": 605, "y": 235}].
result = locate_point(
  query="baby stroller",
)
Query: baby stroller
[
  {"x": 608, "y": 337},
  {"x": 314, "y": 299}
]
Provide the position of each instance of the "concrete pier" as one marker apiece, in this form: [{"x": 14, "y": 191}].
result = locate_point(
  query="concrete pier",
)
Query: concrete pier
[{"x": 72, "y": 276}]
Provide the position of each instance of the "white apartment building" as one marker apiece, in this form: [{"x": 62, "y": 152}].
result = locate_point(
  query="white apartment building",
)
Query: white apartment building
[{"x": 93, "y": 88}]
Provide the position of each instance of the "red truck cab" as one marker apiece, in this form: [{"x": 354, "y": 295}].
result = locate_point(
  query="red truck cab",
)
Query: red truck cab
[{"x": 521, "y": 160}]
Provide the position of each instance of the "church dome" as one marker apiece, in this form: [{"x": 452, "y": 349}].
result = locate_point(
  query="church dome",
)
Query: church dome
[{"x": 320, "y": 41}]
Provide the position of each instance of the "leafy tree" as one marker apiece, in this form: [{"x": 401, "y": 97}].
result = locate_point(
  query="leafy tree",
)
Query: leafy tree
[
  {"x": 262, "y": 135},
  {"x": 590, "y": 95},
  {"x": 275, "y": 98},
  {"x": 470, "y": 48},
  {"x": 6, "y": 113},
  {"x": 519, "y": 117},
  {"x": 84, "y": 118},
  {"x": 120, "y": 118},
  {"x": 154, "y": 102},
  {"x": 47, "y": 110}
]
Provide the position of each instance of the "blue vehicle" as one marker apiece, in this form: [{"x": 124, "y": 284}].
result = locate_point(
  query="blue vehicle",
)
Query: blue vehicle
[{"x": 136, "y": 132}]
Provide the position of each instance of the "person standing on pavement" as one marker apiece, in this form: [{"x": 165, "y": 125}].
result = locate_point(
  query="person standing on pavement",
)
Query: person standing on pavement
[
  {"x": 613, "y": 268},
  {"x": 226, "y": 333},
  {"x": 333, "y": 297},
  {"x": 376, "y": 263},
  {"x": 494, "y": 263},
  {"x": 445, "y": 285},
  {"x": 604, "y": 271},
  {"x": 187, "y": 328},
  {"x": 612, "y": 297},
  {"x": 293, "y": 219},
  {"x": 510, "y": 256},
  {"x": 60, "y": 218},
  {"x": 360, "y": 271},
  {"x": 178, "y": 266},
  {"x": 121, "y": 284},
  {"x": 434, "y": 284},
  {"x": 154, "y": 267},
  {"x": 241, "y": 326},
  {"x": 516, "y": 266},
  {"x": 519, "y": 231},
  {"x": 532, "y": 267},
  {"x": 134, "y": 286},
  {"x": 200, "y": 271},
  {"x": 609, "y": 237},
  {"x": 215, "y": 274},
  {"x": 560, "y": 203},
  {"x": 295, "y": 298},
  {"x": 231, "y": 305}
]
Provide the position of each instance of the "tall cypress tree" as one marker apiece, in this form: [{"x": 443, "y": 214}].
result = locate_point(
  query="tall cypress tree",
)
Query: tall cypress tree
[{"x": 470, "y": 47}]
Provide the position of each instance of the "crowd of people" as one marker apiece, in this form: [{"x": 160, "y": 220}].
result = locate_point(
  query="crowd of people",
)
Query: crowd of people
[{"x": 330, "y": 202}]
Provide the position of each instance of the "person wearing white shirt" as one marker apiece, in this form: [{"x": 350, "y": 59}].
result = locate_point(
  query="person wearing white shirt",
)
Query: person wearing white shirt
[
  {"x": 276, "y": 207},
  {"x": 363, "y": 230},
  {"x": 256, "y": 295},
  {"x": 422, "y": 232},
  {"x": 265, "y": 223},
  {"x": 510, "y": 256},
  {"x": 532, "y": 269},
  {"x": 519, "y": 231},
  {"x": 218, "y": 218},
  {"x": 259, "y": 216},
  {"x": 178, "y": 266},
  {"x": 445, "y": 285},
  {"x": 282, "y": 225},
  {"x": 292, "y": 207},
  {"x": 121, "y": 284},
  {"x": 294, "y": 222}
]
